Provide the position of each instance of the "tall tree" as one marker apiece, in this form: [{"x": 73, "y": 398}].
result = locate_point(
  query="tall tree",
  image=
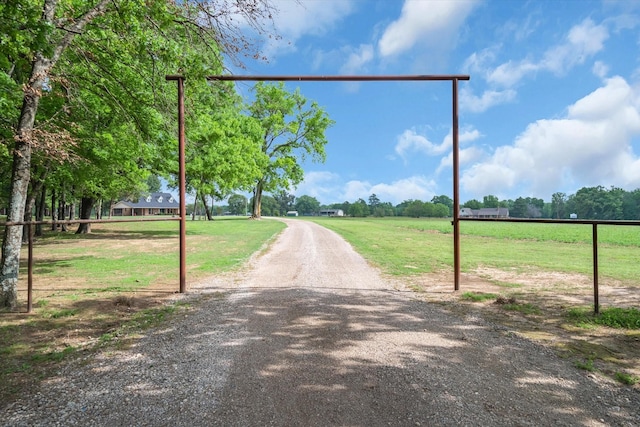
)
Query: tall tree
[
  {"x": 558, "y": 205},
  {"x": 445, "y": 200},
  {"x": 307, "y": 205},
  {"x": 237, "y": 204},
  {"x": 153, "y": 183},
  {"x": 293, "y": 130},
  {"x": 359, "y": 208},
  {"x": 473, "y": 204},
  {"x": 490, "y": 201},
  {"x": 37, "y": 35},
  {"x": 374, "y": 202},
  {"x": 284, "y": 200}
]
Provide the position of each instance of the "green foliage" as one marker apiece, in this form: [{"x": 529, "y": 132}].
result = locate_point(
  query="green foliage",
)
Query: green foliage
[
  {"x": 626, "y": 378},
  {"x": 359, "y": 209},
  {"x": 237, "y": 204},
  {"x": 292, "y": 130},
  {"x": 54, "y": 356},
  {"x": 270, "y": 207},
  {"x": 587, "y": 365},
  {"x": 478, "y": 296},
  {"x": 614, "y": 317},
  {"x": 490, "y": 201},
  {"x": 307, "y": 205},
  {"x": 284, "y": 200},
  {"x": 57, "y": 314},
  {"x": 153, "y": 184},
  {"x": 525, "y": 308},
  {"x": 598, "y": 203}
]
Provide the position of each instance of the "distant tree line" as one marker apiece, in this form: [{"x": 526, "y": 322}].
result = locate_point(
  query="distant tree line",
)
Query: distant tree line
[{"x": 587, "y": 203}]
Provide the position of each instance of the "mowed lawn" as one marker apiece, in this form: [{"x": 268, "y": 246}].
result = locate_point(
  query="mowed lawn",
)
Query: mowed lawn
[
  {"x": 132, "y": 255},
  {"x": 404, "y": 246}
]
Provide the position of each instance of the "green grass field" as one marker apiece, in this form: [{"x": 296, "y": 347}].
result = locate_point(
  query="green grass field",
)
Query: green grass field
[
  {"x": 132, "y": 255},
  {"x": 404, "y": 246}
]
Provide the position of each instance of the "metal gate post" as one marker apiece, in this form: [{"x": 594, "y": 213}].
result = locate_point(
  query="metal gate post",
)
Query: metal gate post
[
  {"x": 456, "y": 189},
  {"x": 596, "y": 296},
  {"x": 182, "y": 183}
]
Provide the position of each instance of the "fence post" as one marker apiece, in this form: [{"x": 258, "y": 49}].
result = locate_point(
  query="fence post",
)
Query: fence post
[
  {"x": 30, "y": 270},
  {"x": 596, "y": 302}
]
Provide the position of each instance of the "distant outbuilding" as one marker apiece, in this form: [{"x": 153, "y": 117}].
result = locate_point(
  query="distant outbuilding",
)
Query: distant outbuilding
[{"x": 331, "y": 212}]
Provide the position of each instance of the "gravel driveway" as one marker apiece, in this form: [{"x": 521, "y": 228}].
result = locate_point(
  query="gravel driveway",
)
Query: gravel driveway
[{"x": 308, "y": 334}]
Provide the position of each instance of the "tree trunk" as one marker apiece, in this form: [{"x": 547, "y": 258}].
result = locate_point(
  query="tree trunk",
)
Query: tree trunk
[
  {"x": 195, "y": 208},
  {"x": 257, "y": 201},
  {"x": 86, "y": 205},
  {"x": 40, "y": 207},
  {"x": 37, "y": 186},
  {"x": 20, "y": 176},
  {"x": 54, "y": 212},
  {"x": 206, "y": 207},
  {"x": 20, "y": 172},
  {"x": 62, "y": 209},
  {"x": 99, "y": 209}
]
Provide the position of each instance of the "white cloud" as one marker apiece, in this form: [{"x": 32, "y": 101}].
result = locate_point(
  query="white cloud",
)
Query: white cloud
[
  {"x": 466, "y": 156},
  {"x": 415, "y": 187},
  {"x": 328, "y": 188},
  {"x": 592, "y": 145},
  {"x": 357, "y": 59},
  {"x": 600, "y": 69},
  {"x": 295, "y": 19},
  {"x": 434, "y": 23},
  {"x": 322, "y": 185},
  {"x": 490, "y": 98},
  {"x": 410, "y": 141},
  {"x": 583, "y": 41},
  {"x": 511, "y": 72}
]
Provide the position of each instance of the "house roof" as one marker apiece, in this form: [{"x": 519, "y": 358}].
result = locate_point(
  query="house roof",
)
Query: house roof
[
  {"x": 493, "y": 211},
  {"x": 154, "y": 200},
  {"x": 484, "y": 212}
]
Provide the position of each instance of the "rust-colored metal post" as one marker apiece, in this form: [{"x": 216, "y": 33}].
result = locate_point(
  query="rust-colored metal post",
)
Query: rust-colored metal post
[
  {"x": 596, "y": 296},
  {"x": 456, "y": 189},
  {"x": 181, "y": 182},
  {"x": 182, "y": 178},
  {"x": 30, "y": 270}
]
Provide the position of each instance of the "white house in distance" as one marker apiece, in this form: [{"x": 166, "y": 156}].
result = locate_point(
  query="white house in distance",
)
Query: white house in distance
[
  {"x": 484, "y": 213},
  {"x": 153, "y": 204},
  {"x": 331, "y": 212}
]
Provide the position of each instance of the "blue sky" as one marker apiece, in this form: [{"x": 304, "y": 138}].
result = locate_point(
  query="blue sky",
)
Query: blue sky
[{"x": 553, "y": 103}]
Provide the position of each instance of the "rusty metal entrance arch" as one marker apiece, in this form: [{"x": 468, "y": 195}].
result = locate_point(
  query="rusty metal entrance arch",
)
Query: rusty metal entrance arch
[{"x": 454, "y": 79}]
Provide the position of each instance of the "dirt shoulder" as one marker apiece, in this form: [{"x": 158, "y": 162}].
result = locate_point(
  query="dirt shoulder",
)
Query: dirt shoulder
[{"x": 541, "y": 303}]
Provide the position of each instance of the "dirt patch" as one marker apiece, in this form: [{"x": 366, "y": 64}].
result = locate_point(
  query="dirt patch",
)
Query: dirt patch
[{"x": 535, "y": 304}]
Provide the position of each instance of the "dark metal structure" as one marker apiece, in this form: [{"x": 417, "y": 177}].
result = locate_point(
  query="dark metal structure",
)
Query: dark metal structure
[{"x": 453, "y": 78}]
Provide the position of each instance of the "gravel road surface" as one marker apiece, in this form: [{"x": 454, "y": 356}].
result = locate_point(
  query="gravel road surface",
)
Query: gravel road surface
[{"x": 308, "y": 334}]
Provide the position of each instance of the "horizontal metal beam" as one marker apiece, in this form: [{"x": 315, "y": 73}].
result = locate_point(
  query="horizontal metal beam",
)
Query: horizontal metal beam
[
  {"x": 556, "y": 221},
  {"x": 419, "y": 77},
  {"x": 89, "y": 221}
]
